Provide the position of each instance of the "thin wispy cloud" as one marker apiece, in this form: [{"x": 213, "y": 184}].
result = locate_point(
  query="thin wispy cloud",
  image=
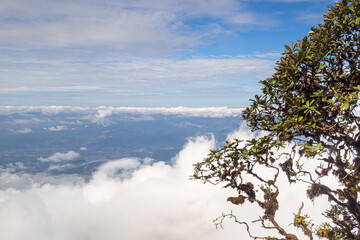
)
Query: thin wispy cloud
[
  {"x": 121, "y": 24},
  {"x": 23, "y": 131},
  {"x": 164, "y": 74},
  {"x": 192, "y": 79}
]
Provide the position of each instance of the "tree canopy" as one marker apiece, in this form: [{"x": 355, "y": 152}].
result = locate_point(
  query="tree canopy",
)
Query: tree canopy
[{"x": 308, "y": 111}]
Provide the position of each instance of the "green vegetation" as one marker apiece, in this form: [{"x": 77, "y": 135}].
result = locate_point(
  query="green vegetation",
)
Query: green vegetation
[{"x": 309, "y": 112}]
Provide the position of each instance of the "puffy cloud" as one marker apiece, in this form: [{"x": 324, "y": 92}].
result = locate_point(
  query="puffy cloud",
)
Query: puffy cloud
[
  {"x": 100, "y": 117},
  {"x": 57, "y": 128},
  {"x": 17, "y": 165},
  {"x": 155, "y": 202},
  {"x": 125, "y": 199},
  {"x": 12, "y": 167},
  {"x": 60, "y": 157},
  {"x": 23, "y": 131}
]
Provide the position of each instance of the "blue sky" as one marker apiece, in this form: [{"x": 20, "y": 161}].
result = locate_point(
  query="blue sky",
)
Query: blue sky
[{"x": 145, "y": 53}]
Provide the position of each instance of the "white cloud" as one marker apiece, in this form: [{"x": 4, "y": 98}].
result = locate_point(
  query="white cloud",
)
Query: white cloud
[
  {"x": 23, "y": 131},
  {"x": 18, "y": 165},
  {"x": 129, "y": 201},
  {"x": 60, "y": 157},
  {"x": 107, "y": 52},
  {"x": 156, "y": 202},
  {"x": 121, "y": 24},
  {"x": 83, "y": 148},
  {"x": 12, "y": 167},
  {"x": 218, "y": 112},
  {"x": 98, "y": 113},
  {"x": 128, "y": 78},
  {"x": 57, "y": 128},
  {"x": 78, "y": 43},
  {"x": 47, "y": 110},
  {"x": 60, "y": 167},
  {"x": 102, "y": 115},
  {"x": 23, "y": 122}
]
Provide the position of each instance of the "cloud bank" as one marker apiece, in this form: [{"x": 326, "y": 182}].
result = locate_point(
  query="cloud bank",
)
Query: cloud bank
[
  {"x": 103, "y": 112},
  {"x": 132, "y": 199},
  {"x": 123, "y": 200}
]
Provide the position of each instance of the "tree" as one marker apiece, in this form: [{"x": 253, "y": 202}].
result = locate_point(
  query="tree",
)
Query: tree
[{"x": 309, "y": 106}]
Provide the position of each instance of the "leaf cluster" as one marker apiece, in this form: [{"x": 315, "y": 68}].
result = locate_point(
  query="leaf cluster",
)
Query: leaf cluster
[{"x": 310, "y": 104}]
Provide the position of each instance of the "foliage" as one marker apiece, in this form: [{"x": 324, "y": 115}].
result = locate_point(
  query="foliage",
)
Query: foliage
[{"x": 310, "y": 106}]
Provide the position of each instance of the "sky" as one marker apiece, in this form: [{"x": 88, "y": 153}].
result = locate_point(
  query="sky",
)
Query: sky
[
  {"x": 145, "y": 53},
  {"x": 186, "y": 58}
]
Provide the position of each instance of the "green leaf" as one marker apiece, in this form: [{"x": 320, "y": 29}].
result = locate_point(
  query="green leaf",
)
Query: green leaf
[
  {"x": 321, "y": 66},
  {"x": 357, "y": 20}
]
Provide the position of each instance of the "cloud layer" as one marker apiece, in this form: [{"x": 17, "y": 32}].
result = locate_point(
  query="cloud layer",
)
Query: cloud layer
[
  {"x": 132, "y": 201},
  {"x": 114, "y": 81},
  {"x": 103, "y": 112},
  {"x": 120, "y": 24},
  {"x": 144, "y": 53},
  {"x": 123, "y": 200},
  {"x": 105, "y": 52}
]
